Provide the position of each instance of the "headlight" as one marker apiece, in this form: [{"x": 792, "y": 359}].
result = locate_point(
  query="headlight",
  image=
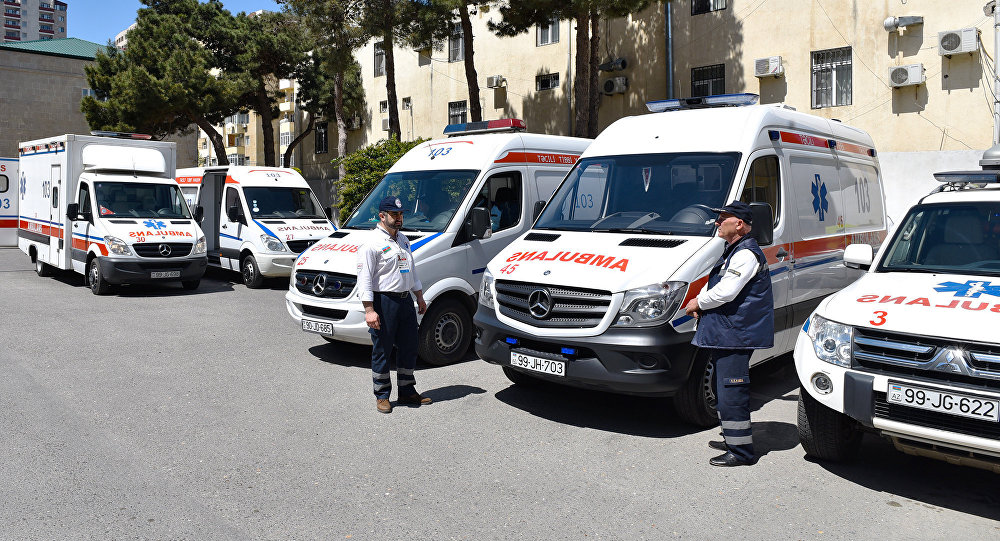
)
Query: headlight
[
  {"x": 831, "y": 340},
  {"x": 486, "y": 290},
  {"x": 650, "y": 305},
  {"x": 117, "y": 246},
  {"x": 199, "y": 247},
  {"x": 272, "y": 243}
]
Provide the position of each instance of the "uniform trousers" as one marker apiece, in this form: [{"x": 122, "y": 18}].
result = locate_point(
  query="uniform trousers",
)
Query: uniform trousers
[
  {"x": 398, "y": 328},
  {"x": 732, "y": 388}
]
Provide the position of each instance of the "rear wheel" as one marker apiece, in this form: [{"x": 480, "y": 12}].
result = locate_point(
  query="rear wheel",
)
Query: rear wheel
[
  {"x": 42, "y": 269},
  {"x": 696, "y": 400},
  {"x": 445, "y": 332},
  {"x": 98, "y": 285},
  {"x": 825, "y": 433},
  {"x": 251, "y": 272}
]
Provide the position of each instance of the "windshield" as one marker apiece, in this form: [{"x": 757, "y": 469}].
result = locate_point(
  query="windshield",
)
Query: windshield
[
  {"x": 959, "y": 238},
  {"x": 276, "y": 202},
  {"x": 430, "y": 199},
  {"x": 140, "y": 200},
  {"x": 652, "y": 193}
]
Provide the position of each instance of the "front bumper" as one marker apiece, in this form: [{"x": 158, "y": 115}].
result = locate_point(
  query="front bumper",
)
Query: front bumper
[
  {"x": 134, "y": 271},
  {"x": 652, "y": 361},
  {"x": 347, "y": 318}
]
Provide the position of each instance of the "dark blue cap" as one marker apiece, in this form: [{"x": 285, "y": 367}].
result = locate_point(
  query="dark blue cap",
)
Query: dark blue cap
[
  {"x": 739, "y": 209},
  {"x": 391, "y": 203}
]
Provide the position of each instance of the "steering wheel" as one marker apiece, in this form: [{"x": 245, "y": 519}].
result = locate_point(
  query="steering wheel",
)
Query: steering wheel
[{"x": 694, "y": 214}]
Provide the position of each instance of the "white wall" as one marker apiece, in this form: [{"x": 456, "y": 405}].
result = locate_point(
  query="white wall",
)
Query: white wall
[{"x": 908, "y": 176}]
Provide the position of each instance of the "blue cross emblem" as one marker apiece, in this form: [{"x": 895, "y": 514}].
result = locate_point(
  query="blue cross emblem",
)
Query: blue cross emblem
[
  {"x": 154, "y": 224},
  {"x": 971, "y": 289},
  {"x": 820, "y": 204},
  {"x": 24, "y": 185}
]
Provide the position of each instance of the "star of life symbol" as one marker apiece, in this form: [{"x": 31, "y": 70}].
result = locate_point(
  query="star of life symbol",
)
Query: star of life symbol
[
  {"x": 971, "y": 289},
  {"x": 24, "y": 185},
  {"x": 820, "y": 204},
  {"x": 154, "y": 224}
]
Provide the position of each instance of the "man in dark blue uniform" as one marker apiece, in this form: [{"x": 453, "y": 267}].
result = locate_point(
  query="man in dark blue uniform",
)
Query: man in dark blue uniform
[{"x": 735, "y": 314}]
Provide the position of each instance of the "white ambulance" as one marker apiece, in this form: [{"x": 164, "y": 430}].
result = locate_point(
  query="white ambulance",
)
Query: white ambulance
[
  {"x": 911, "y": 350},
  {"x": 107, "y": 207},
  {"x": 257, "y": 219},
  {"x": 10, "y": 193},
  {"x": 190, "y": 181},
  {"x": 593, "y": 295},
  {"x": 465, "y": 198}
]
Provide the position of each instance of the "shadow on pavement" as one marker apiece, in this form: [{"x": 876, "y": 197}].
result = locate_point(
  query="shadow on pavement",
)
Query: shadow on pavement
[
  {"x": 452, "y": 392},
  {"x": 356, "y": 355},
  {"x": 769, "y": 436}
]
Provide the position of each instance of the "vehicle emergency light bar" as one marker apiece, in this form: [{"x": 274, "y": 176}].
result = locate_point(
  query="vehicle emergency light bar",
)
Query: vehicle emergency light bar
[
  {"x": 971, "y": 177},
  {"x": 486, "y": 126},
  {"x": 719, "y": 100},
  {"x": 121, "y": 135}
]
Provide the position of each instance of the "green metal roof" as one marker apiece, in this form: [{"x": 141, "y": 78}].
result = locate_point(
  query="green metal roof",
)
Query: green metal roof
[{"x": 67, "y": 47}]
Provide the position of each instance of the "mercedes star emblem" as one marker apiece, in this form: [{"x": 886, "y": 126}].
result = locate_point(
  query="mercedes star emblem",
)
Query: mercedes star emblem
[
  {"x": 165, "y": 250},
  {"x": 319, "y": 284},
  {"x": 540, "y": 303}
]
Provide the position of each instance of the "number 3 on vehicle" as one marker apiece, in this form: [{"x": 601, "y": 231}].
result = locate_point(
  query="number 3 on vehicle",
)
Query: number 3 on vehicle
[{"x": 879, "y": 318}]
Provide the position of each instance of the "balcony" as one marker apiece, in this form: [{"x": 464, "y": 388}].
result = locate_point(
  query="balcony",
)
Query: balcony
[
  {"x": 12, "y": 24},
  {"x": 46, "y": 31},
  {"x": 12, "y": 2},
  {"x": 8, "y": 37},
  {"x": 238, "y": 149},
  {"x": 286, "y": 84},
  {"x": 286, "y": 106},
  {"x": 42, "y": 19},
  {"x": 12, "y": 15},
  {"x": 45, "y": 8}
]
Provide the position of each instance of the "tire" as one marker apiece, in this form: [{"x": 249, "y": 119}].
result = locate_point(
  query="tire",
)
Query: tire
[
  {"x": 520, "y": 378},
  {"x": 98, "y": 285},
  {"x": 695, "y": 401},
  {"x": 42, "y": 269},
  {"x": 251, "y": 272},
  {"x": 190, "y": 285},
  {"x": 825, "y": 433},
  {"x": 445, "y": 332}
]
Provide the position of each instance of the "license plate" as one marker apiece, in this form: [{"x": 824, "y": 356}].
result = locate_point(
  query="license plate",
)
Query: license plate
[
  {"x": 958, "y": 404},
  {"x": 317, "y": 327},
  {"x": 165, "y": 274},
  {"x": 545, "y": 366}
]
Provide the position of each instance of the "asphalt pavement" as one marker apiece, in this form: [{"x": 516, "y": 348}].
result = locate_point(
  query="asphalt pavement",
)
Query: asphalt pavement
[{"x": 159, "y": 413}]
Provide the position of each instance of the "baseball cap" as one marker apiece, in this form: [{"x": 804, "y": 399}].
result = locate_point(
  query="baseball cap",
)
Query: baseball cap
[
  {"x": 738, "y": 209},
  {"x": 391, "y": 203}
]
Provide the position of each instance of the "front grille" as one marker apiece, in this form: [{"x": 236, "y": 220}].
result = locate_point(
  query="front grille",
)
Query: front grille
[
  {"x": 927, "y": 358},
  {"x": 327, "y": 313},
  {"x": 568, "y": 306},
  {"x": 299, "y": 246},
  {"x": 153, "y": 249},
  {"x": 934, "y": 419},
  {"x": 332, "y": 285}
]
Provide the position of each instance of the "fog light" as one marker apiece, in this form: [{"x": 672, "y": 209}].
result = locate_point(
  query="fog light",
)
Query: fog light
[
  {"x": 822, "y": 383},
  {"x": 648, "y": 362}
]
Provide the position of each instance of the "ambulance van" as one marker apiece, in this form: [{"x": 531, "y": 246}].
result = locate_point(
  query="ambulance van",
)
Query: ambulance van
[
  {"x": 9, "y": 196},
  {"x": 107, "y": 207},
  {"x": 593, "y": 295},
  {"x": 256, "y": 219},
  {"x": 465, "y": 198},
  {"x": 910, "y": 351},
  {"x": 190, "y": 181}
]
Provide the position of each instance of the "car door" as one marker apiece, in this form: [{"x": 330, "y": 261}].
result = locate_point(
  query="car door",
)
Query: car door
[
  {"x": 504, "y": 196},
  {"x": 231, "y": 231}
]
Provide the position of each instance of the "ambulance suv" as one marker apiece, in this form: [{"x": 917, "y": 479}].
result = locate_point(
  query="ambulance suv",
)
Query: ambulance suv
[
  {"x": 107, "y": 207},
  {"x": 257, "y": 219},
  {"x": 911, "y": 350},
  {"x": 465, "y": 198},
  {"x": 593, "y": 295}
]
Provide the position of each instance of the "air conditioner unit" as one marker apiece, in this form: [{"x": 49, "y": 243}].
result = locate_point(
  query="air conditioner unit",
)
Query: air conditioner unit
[
  {"x": 385, "y": 124},
  {"x": 495, "y": 81},
  {"x": 618, "y": 64},
  {"x": 908, "y": 75},
  {"x": 615, "y": 85},
  {"x": 768, "y": 67},
  {"x": 952, "y": 42}
]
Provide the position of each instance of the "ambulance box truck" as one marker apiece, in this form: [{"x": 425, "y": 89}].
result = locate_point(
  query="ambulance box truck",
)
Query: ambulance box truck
[
  {"x": 107, "y": 207},
  {"x": 256, "y": 219},
  {"x": 9, "y": 195},
  {"x": 465, "y": 198},
  {"x": 190, "y": 181},
  {"x": 593, "y": 295},
  {"x": 910, "y": 351}
]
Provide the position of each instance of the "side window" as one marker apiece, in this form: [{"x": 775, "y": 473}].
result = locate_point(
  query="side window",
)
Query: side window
[
  {"x": 83, "y": 198},
  {"x": 55, "y": 198},
  {"x": 4, "y": 183},
  {"x": 501, "y": 195},
  {"x": 233, "y": 200},
  {"x": 763, "y": 184}
]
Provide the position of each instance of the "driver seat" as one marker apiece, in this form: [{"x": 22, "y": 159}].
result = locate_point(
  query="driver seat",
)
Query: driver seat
[{"x": 962, "y": 242}]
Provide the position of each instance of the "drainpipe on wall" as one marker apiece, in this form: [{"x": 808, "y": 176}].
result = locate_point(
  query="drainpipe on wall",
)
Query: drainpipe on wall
[
  {"x": 670, "y": 49},
  {"x": 569, "y": 75}
]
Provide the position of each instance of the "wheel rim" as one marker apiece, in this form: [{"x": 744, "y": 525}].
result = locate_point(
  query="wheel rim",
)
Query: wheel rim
[
  {"x": 93, "y": 275},
  {"x": 249, "y": 272},
  {"x": 448, "y": 332},
  {"x": 706, "y": 385}
]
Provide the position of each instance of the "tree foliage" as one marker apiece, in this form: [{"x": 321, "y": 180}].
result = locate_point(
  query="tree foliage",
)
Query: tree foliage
[{"x": 365, "y": 168}]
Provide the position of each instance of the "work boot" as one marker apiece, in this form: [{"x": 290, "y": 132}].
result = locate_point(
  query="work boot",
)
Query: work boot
[
  {"x": 729, "y": 459},
  {"x": 383, "y": 405}
]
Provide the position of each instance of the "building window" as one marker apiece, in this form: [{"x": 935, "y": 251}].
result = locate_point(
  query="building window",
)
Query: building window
[
  {"x": 321, "y": 137},
  {"x": 547, "y": 34},
  {"x": 456, "y": 47},
  {"x": 831, "y": 78},
  {"x": 704, "y": 6},
  {"x": 383, "y": 106},
  {"x": 547, "y": 81},
  {"x": 286, "y": 138},
  {"x": 457, "y": 112},
  {"x": 44, "y": 37},
  {"x": 62, "y": 29},
  {"x": 379, "y": 60},
  {"x": 708, "y": 80},
  {"x": 407, "y": 104}
]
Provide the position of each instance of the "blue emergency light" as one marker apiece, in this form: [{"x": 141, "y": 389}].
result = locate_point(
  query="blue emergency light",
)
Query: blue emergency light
[
  {"x": 972, "y": 177},
  {"x": 568, "y": 351},
  {"x": 512, "y": 341},
  {"x": 718, "y": 100},
  {"x": 486, "y": 126}
]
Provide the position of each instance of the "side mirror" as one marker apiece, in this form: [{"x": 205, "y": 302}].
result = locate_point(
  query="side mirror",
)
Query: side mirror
[
  {"x": 199, "y": 213},
  {"x": 478, "y": 224},
  {"x": 233, "y": 213},
  {"x": 859, "y": 256},
  {"x": 763, "y": 223},
  {"x": 539, "y": 205},
  {"x": 73, "y": 211}
]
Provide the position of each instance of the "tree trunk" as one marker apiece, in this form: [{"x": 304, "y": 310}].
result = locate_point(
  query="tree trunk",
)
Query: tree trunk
[
  {"x": 475, "y": 108},
  {"x": 594, "y": 83},
  {"x": 338, "y": 104},
  {"x": 295, "y": 142},
  {"x": 390, "y": 86},
  {"x": 267, "y": 127},
  {"x": 581, "y": 89},
  {"x": 213, "y": 135}
]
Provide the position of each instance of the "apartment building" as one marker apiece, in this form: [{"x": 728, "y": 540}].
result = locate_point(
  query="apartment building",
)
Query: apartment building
[{"x": 29, "y": 20}]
